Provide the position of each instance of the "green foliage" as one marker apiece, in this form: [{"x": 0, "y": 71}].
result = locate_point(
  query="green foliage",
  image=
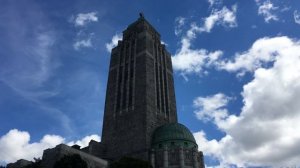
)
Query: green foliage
[
  {"x": 127, "y": 162},
  {"x": 71, "y": 161}
]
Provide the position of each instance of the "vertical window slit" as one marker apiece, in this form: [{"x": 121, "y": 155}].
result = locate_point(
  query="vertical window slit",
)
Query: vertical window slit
[{"x": 125, "y": 86}]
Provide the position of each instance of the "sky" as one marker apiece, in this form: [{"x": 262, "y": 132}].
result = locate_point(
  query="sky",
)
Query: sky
[{"x": 236, "y": 69}]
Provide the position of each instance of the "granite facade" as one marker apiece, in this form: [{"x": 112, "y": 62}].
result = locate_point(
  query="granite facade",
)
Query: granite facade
[
  {"x": 140, "y": 92},
  {"x": 176, "y": 158}
]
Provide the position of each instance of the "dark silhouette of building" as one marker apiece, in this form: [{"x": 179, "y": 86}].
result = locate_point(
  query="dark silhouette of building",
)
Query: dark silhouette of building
[
  {"x": 140, "y": 92},
  {"x": 140, "y": 98}
]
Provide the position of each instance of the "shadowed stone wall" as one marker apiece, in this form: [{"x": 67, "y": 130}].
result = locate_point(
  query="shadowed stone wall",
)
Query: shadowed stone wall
[
  {"x": 140, "y": 92},
  {"x": 50, "y": 156}
]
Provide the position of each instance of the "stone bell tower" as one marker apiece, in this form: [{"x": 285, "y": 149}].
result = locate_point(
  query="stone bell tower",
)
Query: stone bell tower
[{"x": 140, "y": 92}]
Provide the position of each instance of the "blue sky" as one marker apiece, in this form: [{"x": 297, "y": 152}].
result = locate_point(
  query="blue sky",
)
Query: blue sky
[{"x": 236, "y": 68}]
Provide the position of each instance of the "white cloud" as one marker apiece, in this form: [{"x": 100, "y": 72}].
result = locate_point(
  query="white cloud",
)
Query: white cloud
[
  {"x": 188, "y": 60},
  {"x": 114, "y": 42},
  {"x": 267, "y": 10},
  {"x": 262, "y": 52},
  {"x": 30, "y": 68},
  {"x": 297, "y": 16},
  {"x": 30, "y": 60},
  {"x": 214, "y": 2},
  {"x": 212, "y": 148},
  {"x": 213, "y": 108},
  {"x": 42, "y": 51},
  {"x": 179, "y": 22},
  {"x": 38, "y": 67},
  {"x": 224, "y": 17},
  {"x": 84, "y": 142},
  {"x": 83, "y": 39},
  {"x": 265, "y": 133},
  {"x": 16, "y": 145},
  {"x": 192, "y": 61},
  {"x": 285, "y": 9},
  {"x": 211, "y": 105},
  {"x": 82, "y": 43},
  {"x": 83, "y": 18}
]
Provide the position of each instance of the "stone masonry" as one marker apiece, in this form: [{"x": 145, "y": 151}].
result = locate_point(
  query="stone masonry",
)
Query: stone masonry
[{"x": 140, "y": 92}]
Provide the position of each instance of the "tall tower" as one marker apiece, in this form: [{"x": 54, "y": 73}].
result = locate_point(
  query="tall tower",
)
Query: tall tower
[{"x": 140, "y": 92}]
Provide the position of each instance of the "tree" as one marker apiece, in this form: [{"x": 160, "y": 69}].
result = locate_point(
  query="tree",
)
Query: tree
[
  {"x": 70, "y": 161},
  {"x": 127, "y": 162}
]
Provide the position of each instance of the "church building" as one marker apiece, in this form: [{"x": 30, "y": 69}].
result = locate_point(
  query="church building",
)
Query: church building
[{"x": 140, "y": 117}]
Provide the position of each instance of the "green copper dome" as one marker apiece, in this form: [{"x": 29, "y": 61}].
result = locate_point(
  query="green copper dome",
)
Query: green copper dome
[{"x": 173, "y": 134}]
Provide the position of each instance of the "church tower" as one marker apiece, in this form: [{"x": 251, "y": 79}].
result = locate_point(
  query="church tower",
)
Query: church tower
[
  {"x": 140, "y": 92},
  {"x": 140, "y": 119}
]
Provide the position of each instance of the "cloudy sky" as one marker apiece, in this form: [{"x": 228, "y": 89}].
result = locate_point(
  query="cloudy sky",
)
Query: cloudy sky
[{"x": 236, "y": 69}]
